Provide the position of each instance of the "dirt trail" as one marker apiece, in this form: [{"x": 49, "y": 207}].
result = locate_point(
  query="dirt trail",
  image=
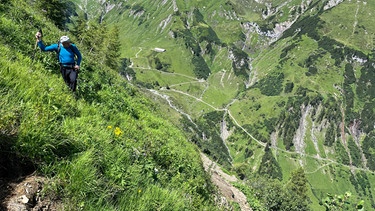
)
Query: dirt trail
[{"x": 222, "y": 181}]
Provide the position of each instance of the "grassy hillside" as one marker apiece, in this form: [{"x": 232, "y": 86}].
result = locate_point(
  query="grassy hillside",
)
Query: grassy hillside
[
  {"x": 239, "y": 83},
  {"x": 105, "y": 147},
  {"x": 262, "y": 87}
]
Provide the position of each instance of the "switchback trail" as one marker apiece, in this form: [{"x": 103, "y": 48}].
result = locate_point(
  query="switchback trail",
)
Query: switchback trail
[
  {"x": 227, "y": 110},
  {"x": 330, "y": 161}
]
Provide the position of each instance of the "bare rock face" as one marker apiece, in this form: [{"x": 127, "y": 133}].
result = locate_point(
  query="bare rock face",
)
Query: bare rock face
[
  {"x": 332, "y": 3},
  {"x": 227, "y": 191}
]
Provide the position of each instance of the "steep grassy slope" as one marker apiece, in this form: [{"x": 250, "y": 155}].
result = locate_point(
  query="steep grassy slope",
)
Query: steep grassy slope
[
  {"x": 243, "y": 74},
  {"x": 106, "y": 146}
]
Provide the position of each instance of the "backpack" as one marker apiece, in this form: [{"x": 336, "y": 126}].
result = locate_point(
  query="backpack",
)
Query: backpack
[{"x": 59, "y": 48}]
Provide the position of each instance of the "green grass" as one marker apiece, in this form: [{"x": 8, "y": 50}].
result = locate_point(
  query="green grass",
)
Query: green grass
[
  {"x": 105, "y": 147},
  {"x": 215, "y": 93},
  {"x": 287, "y": 163},
  {"x": 194, "y": 88},
  {"x": 288, "y": 55},
  {"x": 351, "y": 24},
  {"x": 95, "y": 163}
]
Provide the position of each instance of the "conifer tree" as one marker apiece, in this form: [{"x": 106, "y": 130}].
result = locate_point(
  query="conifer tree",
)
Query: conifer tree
[
  {"x": 93, "y": 38},
  {"x": 78, "y": 25},
  {"x": 112, "y": 53},
  {"x": 269, "y": 166},
  {"x": 56, "y": 10},
  {"x": 296, "y": 192}
]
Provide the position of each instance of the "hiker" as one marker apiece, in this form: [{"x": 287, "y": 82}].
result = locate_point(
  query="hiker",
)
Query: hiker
[{"x": 66, "y": 53}]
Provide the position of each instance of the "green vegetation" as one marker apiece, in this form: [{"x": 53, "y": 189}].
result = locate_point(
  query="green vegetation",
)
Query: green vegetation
[
  {"x": 245, "y": 98},
  {"x": 341, "y": 202},
  {"x": 269, "y": 166},
  {"x": 271, "y": 85},
  {"x": 206, "y": 135},
  {"x": 277, "y": 196},
  {"x": 318, "y": 72},
  {"x": 105, "y": 147},
  {"x": 369, "y": 150}
]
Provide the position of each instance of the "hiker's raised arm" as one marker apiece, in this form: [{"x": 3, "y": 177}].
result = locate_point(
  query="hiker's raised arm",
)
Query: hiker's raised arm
[
  {"x": 41, "y": 45},
  {"x": 52, "y": 47}
]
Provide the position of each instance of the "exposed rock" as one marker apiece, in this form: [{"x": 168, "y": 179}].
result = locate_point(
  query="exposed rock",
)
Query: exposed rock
[
  {"x": 299, "y": 137},
  {"x": 175, "y": 8},
  {"x": 165, "y": 22},
  {"x": 26, "y": 195},
  {"x": 225, "y": 133},
  {"x": 332, "y": 3},
  {"x": 222, "y": 181}
]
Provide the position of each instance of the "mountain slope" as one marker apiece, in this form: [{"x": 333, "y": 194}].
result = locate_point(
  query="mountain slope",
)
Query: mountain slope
[
  {"x": 244, "y": 76},
  {"x": 293, "y": 74},
  {"x": 105, "y": 147}
]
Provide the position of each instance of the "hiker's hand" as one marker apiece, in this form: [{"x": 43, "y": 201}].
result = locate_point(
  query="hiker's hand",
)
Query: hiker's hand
[
  {"x": 76, "y": 67},
  {"x": 38, "y": 36}
]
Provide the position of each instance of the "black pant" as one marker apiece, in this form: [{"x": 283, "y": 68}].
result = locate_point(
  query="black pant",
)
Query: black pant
[{"x": 70, "y": 76}]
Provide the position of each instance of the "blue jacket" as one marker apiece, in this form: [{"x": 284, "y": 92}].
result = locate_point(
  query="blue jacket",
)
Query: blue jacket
[{"x": 66, "y": 54}]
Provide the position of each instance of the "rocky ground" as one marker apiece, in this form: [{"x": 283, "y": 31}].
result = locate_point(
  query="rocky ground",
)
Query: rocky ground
[
  {"x": 223, "y": 182},
  {"x": 25, "y": 194}
]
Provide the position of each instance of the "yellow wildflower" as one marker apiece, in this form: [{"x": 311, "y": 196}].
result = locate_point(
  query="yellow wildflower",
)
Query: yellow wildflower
[
  {"x": 109, "y": 127},
  {"x": 118, "y": 131}
]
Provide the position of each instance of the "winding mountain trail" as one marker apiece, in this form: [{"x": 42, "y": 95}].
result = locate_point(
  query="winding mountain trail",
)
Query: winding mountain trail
[
  {"x": 227, "y": 111},
  {"x": 302, "y": 154}
]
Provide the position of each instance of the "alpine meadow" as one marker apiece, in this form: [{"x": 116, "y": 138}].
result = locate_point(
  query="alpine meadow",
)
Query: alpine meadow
[{"x": 189, "y": 105}]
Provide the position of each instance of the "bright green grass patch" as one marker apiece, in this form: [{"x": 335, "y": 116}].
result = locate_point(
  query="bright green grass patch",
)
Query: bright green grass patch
[
  {"x": 330, "y": 180},
  {"x": 195, "y": 88},
  {"x": 220, "y": 61},
  {"x": 237, "y": 150},
  {"x": 145, "y": 58},
  {"x": 280, "y": 144},
  {"x": 328, "y": 76},
  {"x": 320, "y": 139},
  {"x": 189, "y": 104},
  {"x": 249, "y": 10},
  {"x": 310, "y": 147},
  {"x": 256, "y": 107},
  {"x": 255, "y": 160},
  {"x": 163, "y": 106},
  {"x": 141, "y": 63},
  {"x": 228, "y": 32},
  {"x": 163, "y": 78},
  {"x": 222, "y": 87},
  {"x": 351, "y": 23},
  {"x": 268, "y": 61},
  {"x": 311, "y": 164},
  {"x": 288, "y": 162},
  {"x": 295, "y": 68}
]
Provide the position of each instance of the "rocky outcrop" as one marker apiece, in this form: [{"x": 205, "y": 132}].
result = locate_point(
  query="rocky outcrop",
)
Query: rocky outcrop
[
  {"x": 26, "y": 195},
  {"x": 332, "y": 3},
  {"x": 299, "y": 138}
]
